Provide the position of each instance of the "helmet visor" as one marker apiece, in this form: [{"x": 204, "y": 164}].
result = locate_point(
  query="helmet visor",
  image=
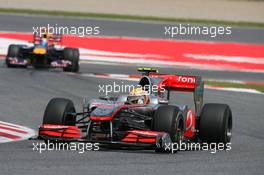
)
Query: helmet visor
[{"x": 135, "y": 99}]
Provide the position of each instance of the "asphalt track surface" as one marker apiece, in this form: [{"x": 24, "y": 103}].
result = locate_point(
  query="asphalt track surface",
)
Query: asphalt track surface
[
  {"x": 25, "y": 23},
  {"x": 25, "y": 93}
]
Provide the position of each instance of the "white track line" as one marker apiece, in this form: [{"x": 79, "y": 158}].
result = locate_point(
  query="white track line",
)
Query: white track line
[
  {"x": 243, "y": 90},
  {"x": 238, "y": 59}
]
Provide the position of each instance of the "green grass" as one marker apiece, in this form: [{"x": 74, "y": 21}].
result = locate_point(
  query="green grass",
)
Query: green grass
[
  {"x": 129, "y": 17},
  {"x": 236, "y": 85}
]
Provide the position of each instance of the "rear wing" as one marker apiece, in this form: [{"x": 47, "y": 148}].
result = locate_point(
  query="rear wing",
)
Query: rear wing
[
  {"x": 172, "y": 82},
  {"x": 185, "y": 83},
  {"x": 179, "y": 82}
]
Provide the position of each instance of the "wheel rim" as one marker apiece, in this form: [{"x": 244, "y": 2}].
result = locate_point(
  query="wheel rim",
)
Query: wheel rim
[
  {"x": 179, "y": 131},
  {"x": 228, "y": 132}
]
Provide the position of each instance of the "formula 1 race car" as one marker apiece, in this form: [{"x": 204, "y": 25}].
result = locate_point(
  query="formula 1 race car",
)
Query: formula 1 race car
[
  {"x": 43, "y": 53},
  {"x": 115, "y": 121}
]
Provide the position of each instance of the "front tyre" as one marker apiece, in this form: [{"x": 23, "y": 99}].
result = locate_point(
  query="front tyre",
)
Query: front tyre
[
  {"x": 72, "y": 55},
  {"x": 13, "y": 51},
  {"x": 57, "y": 112},
  {"x": 169, "y": 119}
]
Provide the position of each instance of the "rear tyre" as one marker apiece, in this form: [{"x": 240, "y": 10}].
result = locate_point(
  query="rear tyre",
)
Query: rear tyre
[
  {"x": 215, "y": 123},
  {"x": 57, "y": 112},
  {"x": 72, "y": 55},
  {"x": 169, "y": 119}
]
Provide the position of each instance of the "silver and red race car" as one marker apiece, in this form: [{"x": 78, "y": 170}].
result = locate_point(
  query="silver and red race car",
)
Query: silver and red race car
[{"x": 112, "y": 121}]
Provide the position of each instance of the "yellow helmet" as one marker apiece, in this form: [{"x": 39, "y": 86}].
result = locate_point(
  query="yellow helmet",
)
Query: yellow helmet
[{"x": 138, "y": 96}]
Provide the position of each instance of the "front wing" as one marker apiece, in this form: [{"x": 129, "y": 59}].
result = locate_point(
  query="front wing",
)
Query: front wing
[{"x": 132, "y": 138}]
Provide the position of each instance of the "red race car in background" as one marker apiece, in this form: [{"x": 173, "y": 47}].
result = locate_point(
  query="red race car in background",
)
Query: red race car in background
[{"x": 156, "y": 125}]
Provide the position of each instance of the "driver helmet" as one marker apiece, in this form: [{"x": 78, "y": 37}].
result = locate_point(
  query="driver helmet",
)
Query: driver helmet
[
  {"x": 44, "y": 33},
  {"x": 138, "y": 96}
]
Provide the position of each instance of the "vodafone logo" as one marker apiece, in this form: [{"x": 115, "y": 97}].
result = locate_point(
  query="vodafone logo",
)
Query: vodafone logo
[{"x": 185, "y": 79}]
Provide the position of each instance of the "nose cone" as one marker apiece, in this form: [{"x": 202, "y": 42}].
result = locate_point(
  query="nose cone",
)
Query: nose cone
[{"x": 40, "y": 51}]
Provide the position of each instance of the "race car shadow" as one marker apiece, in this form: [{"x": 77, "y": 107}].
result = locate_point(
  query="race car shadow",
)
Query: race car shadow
[{"x": 128, "y": 150}]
